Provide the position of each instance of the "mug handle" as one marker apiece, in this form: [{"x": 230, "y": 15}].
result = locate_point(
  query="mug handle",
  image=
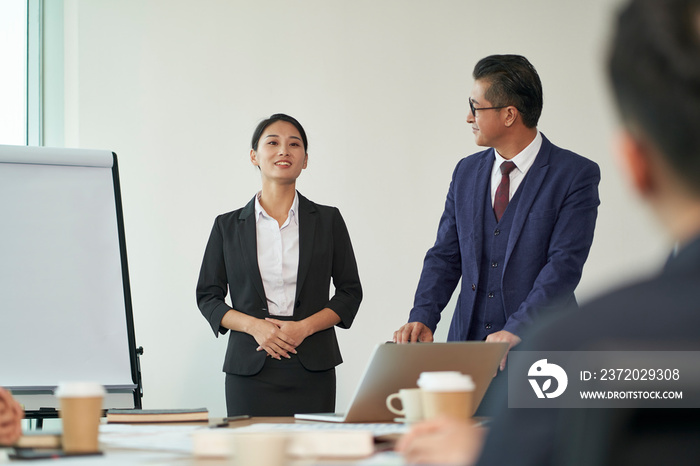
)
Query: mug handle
[{"x": 390, "y": 406}]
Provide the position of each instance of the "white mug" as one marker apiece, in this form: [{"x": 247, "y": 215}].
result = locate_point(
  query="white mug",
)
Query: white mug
[{"x": 411, "y": 404}]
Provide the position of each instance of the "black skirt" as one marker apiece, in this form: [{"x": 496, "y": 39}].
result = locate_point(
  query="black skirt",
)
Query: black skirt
[{"x": 281, "y": 388}]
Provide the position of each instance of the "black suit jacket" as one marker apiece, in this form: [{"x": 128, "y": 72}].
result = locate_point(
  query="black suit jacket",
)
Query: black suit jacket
[
  {"x": 231, "y": 262},
  {"x": 662, "y": 312}
]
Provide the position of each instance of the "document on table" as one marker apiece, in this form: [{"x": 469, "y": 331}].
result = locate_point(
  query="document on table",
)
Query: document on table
[{"x": 149, "y": 437}]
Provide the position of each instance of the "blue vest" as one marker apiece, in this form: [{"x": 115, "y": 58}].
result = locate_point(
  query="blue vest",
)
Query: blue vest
[{"x": 489, "y": 312}]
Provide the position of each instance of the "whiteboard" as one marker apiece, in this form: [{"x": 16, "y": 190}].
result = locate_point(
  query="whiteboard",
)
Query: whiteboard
[{"x": 65, "y": 310}]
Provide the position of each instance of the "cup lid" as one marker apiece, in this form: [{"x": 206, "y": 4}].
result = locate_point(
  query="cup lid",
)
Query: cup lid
[
  {"x": 445, "y": 381},
  {"x": 79, "y": 389}
]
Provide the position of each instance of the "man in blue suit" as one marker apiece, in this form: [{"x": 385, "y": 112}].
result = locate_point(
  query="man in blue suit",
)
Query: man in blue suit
[{"x": 518, "y": 221}]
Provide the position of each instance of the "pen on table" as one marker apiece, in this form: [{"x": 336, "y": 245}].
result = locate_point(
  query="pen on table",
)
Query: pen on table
[{"x": 224, "y": 422}]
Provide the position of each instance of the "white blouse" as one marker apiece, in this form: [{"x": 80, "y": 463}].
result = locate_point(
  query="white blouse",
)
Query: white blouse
[{"x": 278, "y": 257}]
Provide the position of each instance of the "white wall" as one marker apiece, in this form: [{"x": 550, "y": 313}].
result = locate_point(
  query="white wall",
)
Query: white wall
[{"x": 176, "y": 87}]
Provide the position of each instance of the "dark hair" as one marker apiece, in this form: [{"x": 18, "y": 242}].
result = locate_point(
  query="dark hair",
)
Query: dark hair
[
  {"x": 273, "y": 119},
  {"x": 654, "y": 66},
  {"x": 514, "y": 81}
]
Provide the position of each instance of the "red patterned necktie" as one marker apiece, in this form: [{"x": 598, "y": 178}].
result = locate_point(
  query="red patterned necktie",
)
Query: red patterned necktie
[{"x": 500, "y": 202}]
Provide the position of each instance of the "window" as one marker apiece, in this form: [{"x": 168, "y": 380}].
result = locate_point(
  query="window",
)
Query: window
[{"x": 13, "y": 79}]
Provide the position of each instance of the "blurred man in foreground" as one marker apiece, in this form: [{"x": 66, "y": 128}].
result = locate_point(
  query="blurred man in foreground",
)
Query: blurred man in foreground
[{"x": 654, "y": 68}]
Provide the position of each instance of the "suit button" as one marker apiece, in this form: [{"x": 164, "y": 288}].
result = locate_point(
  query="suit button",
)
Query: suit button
[
  {"x": 490, "y": 295},
  {"x": 487, "y": 326},
  {"x": 497, "y": 232},
  {"x": 494, "y": 264},
  {"x": 297, "y": 304},
  {"x": 473, "y": 286}
]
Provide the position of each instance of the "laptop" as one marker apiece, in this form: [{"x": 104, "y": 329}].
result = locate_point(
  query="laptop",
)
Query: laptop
[{"x": 395, "y": 366}]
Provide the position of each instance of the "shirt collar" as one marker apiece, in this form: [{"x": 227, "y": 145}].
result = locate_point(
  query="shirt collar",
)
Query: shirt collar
[
  {"x": 523, "y": 160},
  {"x": 291, "y": 216},
  {"x": 685, "y": 258}
]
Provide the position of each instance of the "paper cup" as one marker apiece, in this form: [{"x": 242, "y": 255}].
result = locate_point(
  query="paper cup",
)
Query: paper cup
[
  {"x": 80, "y": 411},
  {"x": 448, "y": 394}
]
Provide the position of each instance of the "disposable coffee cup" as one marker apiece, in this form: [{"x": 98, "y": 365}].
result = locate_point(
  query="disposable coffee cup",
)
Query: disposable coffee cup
[
  {"x": 411, "y": 404},
  {"x": 260, "y": 448},
  {"x": 447, "y": 394},
  {"x": 80, "y": 411}
]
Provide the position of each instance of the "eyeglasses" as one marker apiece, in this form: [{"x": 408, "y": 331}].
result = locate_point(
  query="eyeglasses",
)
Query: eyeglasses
[{"x": 474, "y": 109}]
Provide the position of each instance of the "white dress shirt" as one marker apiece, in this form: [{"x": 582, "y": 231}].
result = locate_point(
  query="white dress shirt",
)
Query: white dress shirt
[
  {"x": 523, "y": 161},
  {"x": 278, "y": 257}
]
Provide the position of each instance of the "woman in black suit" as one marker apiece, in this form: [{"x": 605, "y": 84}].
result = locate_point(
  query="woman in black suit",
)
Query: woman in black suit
[{"x": 276, "y": 257}]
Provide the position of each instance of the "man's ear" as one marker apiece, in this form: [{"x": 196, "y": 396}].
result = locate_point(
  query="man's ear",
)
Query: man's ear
[
  {"x": 635, "y": 162},
  {"x": 510, "y": 116}
]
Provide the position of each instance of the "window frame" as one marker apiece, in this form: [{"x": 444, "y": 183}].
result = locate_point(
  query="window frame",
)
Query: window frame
[{"x": 34, "y": 74}]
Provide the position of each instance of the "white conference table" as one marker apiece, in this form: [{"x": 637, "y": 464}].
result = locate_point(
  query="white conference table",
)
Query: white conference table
[{"x": 163, "y": 444}]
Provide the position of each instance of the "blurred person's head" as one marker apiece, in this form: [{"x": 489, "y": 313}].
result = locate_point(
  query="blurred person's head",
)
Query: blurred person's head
[{"x": 654, "y": 66}]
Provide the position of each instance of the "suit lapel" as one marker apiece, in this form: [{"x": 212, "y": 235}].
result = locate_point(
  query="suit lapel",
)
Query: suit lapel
[
  {"x": 307, "y": 231},
  {"x": 528, "y": 192},
  {"x": 481, "y": 186},
  {"x": 248, "y": 243}
]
